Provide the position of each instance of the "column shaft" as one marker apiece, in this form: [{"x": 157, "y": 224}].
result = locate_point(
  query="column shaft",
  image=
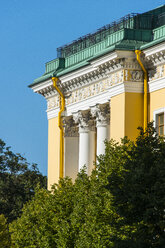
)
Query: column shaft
[
  {"x": 84, "y": 149},
  {"x": 102, "y": 135}
]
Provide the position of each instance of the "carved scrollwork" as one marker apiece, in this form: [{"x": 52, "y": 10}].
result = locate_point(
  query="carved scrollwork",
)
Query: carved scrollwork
[
  {"x": 70, "y": 129},
  {"x": 102, "y": 114},
  {"x": 156, "y": 73},
  {"x": 83, "y": 119},
  {"x": 133, "y": 75}
]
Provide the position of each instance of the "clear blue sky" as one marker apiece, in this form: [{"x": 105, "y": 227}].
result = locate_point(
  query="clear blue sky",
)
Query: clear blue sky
[{"x": 31, "y": 30}]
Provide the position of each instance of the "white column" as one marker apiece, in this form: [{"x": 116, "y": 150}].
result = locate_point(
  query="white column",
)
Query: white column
[
  {"x": 86, "y": 139},
  {"x": 92, "y": 154},
  {"x": 101, "y": 112},
  {"x": 102, "y": 135},
  {"x": 84, "y": 147}
]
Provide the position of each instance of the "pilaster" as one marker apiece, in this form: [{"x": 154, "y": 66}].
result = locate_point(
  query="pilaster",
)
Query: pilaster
[{"x": 71, "y": 147}]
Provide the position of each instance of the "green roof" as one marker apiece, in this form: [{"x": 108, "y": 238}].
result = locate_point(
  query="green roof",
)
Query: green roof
[{"x": 134, "y": 31}]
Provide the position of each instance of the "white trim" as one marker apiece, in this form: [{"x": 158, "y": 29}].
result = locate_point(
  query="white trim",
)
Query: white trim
[
  {"x": 154, "y": 49},
  {"x": 52, "y": 113},
  {"x": 93, "y": 66},
  {"x": 104, "y": 59},
  {"x": 42, "y": 85},
  {"x": 87, "y": 103},
  {"x": 77, "y": 74},
  {"x": 103, "y": 97},
  {"x": 134, "y": 87},
  {"x": 155, "y": 115},
  {"x": 156, "y": 84}
]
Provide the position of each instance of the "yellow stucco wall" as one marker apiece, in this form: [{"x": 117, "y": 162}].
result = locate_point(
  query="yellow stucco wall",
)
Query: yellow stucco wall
[
  {"x": 157, "y": 101},
  {"x": 133, "y": 114},
  {"x": 53, "y": 151},
  {"x": 117, "y": 117},
  {"x": 126, "y": 115}
]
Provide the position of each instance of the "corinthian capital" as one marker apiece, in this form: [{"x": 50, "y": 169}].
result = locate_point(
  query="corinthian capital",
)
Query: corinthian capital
[
  {"x": 82, "y": 118},
  {"x": 102, "y": 114},
  {"x": 71, "y": 130}
]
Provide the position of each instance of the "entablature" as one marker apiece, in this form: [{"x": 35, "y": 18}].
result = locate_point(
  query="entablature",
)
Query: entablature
[{"x": 96, "y": 83}]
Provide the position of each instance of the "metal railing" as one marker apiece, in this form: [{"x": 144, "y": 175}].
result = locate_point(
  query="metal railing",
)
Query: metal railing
[
  {"x": 146, "y": 21},
  {"x": 95, "y": 37}
]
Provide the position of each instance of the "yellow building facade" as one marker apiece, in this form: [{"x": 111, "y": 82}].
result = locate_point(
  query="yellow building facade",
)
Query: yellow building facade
[{"x": 100, "y": 84}]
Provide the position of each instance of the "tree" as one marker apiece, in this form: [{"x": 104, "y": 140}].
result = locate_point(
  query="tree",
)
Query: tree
[
  {"x": 45, "y": 219},
  {"x": 120, "y": 205},
  {"x": 138, "y": 188},
  {"x": 17, "y": 182},
  {"x": 4, "y": 233}
]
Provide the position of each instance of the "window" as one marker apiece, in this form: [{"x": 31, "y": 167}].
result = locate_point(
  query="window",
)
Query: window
[
  {"x": 161, "y": 124},
  {"x": 159, "y": 121}
]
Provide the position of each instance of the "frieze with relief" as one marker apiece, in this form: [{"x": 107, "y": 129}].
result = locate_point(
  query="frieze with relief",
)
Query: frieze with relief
[
  {"x": 156, "y": 73},
  {"x": 53, "y": 102},
  {"x": 133, "y": 75},
  {"x": 98, "y": 87}
]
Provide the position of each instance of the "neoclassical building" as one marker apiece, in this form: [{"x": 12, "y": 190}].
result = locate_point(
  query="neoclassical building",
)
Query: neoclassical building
[{"x": 101, "y": 86}]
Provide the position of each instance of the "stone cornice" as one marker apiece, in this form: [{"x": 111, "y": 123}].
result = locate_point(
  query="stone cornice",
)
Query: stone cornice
[
  {"x": 101, "y": 98},
  {"x": 45, "y": 88},
  {"x": 157, "y": 84},
  {"x": 155, "y": 56},
  {"x": 155, "y": 49},
  {"x": 97, "y": 70}
]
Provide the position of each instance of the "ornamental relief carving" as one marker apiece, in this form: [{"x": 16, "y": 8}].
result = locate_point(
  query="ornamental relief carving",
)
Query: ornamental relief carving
[
  {"x": 53, "y": 102},
  {"x": 70, "y": 129},
  {"x": 133, "y": 75},
  {"x": 156, "y": 73},
  {"x": 98, "y": 87}
]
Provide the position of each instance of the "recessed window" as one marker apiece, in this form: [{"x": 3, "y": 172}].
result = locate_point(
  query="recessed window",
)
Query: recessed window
[
  {"x": 159, "y": 121},
  {"x": 160, "y": 126}
]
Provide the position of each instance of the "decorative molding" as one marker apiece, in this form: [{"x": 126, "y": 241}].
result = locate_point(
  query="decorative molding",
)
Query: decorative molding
[
  {"x": 157, "y": 84},
  {"x": 134, "y": 87},
  {"x": 45, "y": 88},
  {"x": 86, "y": 87},
  {"x": 77, "y": 74},
  {"x": 104, "y": 59},
  {"x": 133, "y": 75},
  {"x": 98, "y": 87},
  {"x": 82, "y": 118},
  {"x": 105, "y": 84},
  {"x": 105, "y": 70},
  {"x": 53, "y": 102},
  {"x": 156, "y": 73},
  {"x": 71, "y": 130},
  {"x": 101, "y": 98},
  {"x": 102, "y": 114},
  {"x": 155, "y": 117},
  {"x": 52, "y": 113},
  {"x": 155, "y": 56},
  {"x": 155, "y": 49},
  {"x": 86, "y": 103}
]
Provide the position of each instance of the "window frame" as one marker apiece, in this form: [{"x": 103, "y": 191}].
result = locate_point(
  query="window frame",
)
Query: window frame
[{"x": 156, "y": 115}]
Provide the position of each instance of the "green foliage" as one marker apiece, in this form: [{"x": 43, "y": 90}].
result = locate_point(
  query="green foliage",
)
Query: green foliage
[
  {"x": 45, "y": 219},
  {"x": 17, "y": 182},
  {"x": 138, "y": 192},
  {"x": 4, "y": 233},
  {"x": 120, "y": 205}
]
